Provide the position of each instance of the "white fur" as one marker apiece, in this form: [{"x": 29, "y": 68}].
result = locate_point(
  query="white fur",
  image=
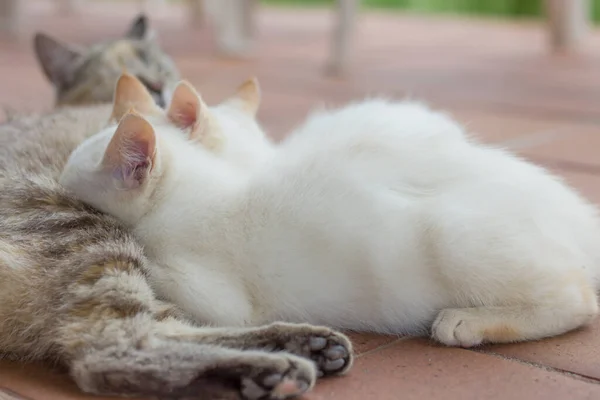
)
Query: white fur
[
  {"x": 246, "y": 145},
  {"x": 380, "y": 216}
]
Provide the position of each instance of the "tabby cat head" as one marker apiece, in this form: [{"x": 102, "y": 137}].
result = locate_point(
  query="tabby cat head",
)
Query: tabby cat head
[{"x": 87, "y": 76}]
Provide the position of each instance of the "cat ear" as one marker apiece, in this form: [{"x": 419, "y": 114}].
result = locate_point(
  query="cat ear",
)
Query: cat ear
[
  {"x": 139, "y": 28},
  {"x": 186, "y": 109},
  {"x": 131, "y": 153},
  {"x": 56, "y": 59},
  {"x": 247, "y": 97},
  {"x": 131, "y": 93}
]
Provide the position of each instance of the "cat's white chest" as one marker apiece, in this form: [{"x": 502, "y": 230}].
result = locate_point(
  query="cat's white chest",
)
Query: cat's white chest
[
  {"x": 203, "y": 285},
  {"x": 210, "y": 297}
]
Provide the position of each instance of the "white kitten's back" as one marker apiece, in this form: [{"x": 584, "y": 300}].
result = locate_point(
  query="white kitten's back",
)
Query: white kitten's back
[{"x": 486, "y": 228}]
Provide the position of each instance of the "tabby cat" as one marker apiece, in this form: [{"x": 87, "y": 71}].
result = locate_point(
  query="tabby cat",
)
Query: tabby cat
[
  {"x": 88, "y": 75},
  {"x": 73, "y": 281}
]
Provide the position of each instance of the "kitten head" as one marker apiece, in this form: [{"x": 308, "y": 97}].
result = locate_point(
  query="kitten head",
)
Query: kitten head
[
  {"x": 124, "y": 169},
  {"x": 85, "y": 76},
  {"x": 229, "y": 130},
  {"x": 119, "y": 169}
]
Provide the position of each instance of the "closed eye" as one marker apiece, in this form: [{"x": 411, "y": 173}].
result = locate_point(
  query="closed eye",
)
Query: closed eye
[
  {"x": 155, "y": 89},
  {"x": 143, "y": 56}
]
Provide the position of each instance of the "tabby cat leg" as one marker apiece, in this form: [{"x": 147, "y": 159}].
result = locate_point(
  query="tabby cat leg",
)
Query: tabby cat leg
[
  {"x": 330, "y": 350},
  {"x": 563, "y": 311},
  {"x": 119, "y": 339},
  {"x": 183, "y": 370}
]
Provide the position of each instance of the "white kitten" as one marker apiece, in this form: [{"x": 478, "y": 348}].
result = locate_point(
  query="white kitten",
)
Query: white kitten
[
  {"x": 236, "y": 135},
  {"x": 379, "y": 216}
]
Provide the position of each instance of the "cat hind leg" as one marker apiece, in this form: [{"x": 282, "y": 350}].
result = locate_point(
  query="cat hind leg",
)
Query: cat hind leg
[{"x": 563, "y": 310}]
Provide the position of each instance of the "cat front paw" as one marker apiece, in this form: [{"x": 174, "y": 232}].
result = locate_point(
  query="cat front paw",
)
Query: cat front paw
[
  {"x": 457, "y": 327},
  {"x": 330, "y": 350},
  {"x": 287, "y": 377},
  {"x": 187, "y": 371}
]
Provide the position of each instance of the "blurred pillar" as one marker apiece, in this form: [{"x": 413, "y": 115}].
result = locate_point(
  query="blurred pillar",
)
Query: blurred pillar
[
  {"x": 233, "y": 22},
  {"x": 250, "y": 11},
  {"x": 196, "y": 8},
  {"x": 67, "y": 7},
  {"x": 10, "y": 17},
  {"x": 343, "y": 35},
  {"x": 567, "y": 22}
]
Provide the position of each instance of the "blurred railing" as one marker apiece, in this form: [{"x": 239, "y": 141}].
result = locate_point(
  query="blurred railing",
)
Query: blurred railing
[{"x": 233, "y": 20}]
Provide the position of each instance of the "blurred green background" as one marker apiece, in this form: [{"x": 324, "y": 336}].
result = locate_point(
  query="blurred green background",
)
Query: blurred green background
[{"x": 497, "y": 8}]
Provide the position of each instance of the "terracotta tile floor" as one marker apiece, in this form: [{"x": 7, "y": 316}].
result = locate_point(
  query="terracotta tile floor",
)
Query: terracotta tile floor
[{"x": 495, "y": 77}]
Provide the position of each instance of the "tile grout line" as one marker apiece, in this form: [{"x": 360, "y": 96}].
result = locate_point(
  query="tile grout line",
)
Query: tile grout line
[
  {"x": 536, "y": 138},
  {"x": 526, "y": 112},
  {"x": 530, "y": 140},
  {"x": 383, "y": 346},
  {"x": 571, "y": 374},
  {"x": 12, "y": 395},
  {"x": 566, "y": 165}
]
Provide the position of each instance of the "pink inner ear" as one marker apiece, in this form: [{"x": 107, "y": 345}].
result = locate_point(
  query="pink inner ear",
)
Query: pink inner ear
[
  {"x": 130, "y": 153},
  {"x": 140, "y": 150},
  {"x": 132, "y": 175},
  {"x": 135, "y": 165},
  {"x": 185, "y": 115}
]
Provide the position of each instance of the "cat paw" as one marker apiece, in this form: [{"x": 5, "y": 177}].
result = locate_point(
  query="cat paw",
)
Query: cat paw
[
  {"x": 331, "y": 351},
  {"x": 456, "y": 327},
  {"x": 289, "y": 377},
  {"x": 185, "y": 371}
]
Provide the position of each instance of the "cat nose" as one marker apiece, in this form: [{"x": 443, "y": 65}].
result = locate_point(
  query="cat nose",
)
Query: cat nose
[
  {"x": 153, "y": 86},
  {"x": 158, "y": 99},
  {"x": 156, "y": 90},
  {"x": 156, "y": 86}
]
